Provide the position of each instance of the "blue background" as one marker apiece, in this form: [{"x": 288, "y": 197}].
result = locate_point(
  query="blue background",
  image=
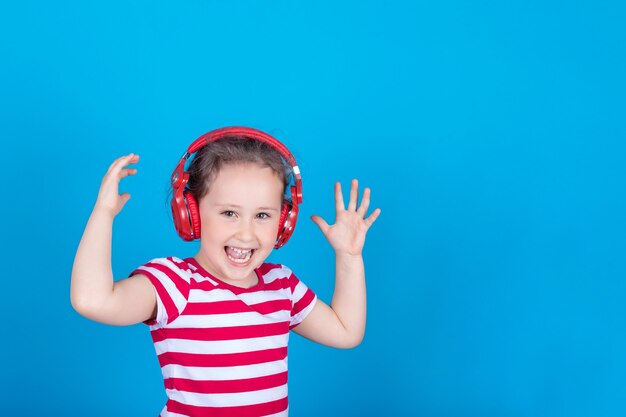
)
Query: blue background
[{"x": 492, "y": 136}]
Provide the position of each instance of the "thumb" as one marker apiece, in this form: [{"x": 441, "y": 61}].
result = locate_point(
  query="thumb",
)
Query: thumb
[
  {"x": 123, "y": 200},
  {"x": 321, "y": 223}
]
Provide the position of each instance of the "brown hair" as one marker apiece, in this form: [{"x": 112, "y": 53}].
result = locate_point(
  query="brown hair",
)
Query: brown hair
[{"x": 207, "y": 162}]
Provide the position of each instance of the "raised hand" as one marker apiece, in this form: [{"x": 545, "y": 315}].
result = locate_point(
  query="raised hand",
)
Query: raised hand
[
  {"x": 109, "y": 198},
  {"x": 347, "y": 235}
]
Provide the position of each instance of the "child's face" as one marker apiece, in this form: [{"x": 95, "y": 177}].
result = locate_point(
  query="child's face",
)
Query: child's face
[{"x": 239, "y": 221}]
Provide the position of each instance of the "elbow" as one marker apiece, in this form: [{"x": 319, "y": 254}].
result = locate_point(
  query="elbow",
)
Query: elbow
[
  {"x": 77, "y": 299},
  {"x": 352, "y": 341},
  {"x": 79, "y": 304},
  {"x": 84, "y": 306},
  {"x": 356, "y": 342}
]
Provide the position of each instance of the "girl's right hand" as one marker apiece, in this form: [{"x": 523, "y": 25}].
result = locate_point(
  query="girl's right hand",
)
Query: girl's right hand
[{"x": 109, "y": 198}]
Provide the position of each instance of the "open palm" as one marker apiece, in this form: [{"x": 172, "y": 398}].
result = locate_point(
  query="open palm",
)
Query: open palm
[{"x": 347, "y": 234}]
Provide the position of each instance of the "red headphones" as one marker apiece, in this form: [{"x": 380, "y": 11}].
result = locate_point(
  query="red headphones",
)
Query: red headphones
[{"x": 185, "y": 207}]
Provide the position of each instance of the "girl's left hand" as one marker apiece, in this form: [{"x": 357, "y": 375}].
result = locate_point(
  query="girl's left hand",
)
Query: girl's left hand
[{"x": 347, "y": 235}]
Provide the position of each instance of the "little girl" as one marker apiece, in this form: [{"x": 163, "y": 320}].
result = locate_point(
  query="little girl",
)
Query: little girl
[{"x": 220, "y": 320}]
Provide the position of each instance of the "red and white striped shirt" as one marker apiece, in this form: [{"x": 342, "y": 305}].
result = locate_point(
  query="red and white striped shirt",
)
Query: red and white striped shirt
[{"x": 223, "y": 349}]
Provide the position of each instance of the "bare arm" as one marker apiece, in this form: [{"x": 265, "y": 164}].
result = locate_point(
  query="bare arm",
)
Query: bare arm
[
  {"x": 93, "y": 292},
  {"x": 342, "y": 324}
]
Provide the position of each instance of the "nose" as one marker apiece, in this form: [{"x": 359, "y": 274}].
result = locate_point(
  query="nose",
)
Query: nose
[{"x": 245, "y": 230}]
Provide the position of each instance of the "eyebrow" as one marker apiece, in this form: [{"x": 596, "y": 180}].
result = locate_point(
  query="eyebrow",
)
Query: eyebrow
[{"x": 238, "y": 207}]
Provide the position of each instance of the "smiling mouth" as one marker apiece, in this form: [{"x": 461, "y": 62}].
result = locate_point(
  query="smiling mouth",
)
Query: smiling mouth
[{"x": 238, "y": 255}]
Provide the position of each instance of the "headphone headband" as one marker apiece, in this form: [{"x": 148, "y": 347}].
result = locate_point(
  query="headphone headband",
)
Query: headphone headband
[{"x": 248, "y": 132}]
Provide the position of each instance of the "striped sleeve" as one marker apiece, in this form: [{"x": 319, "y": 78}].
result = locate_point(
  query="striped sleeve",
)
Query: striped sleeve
[
  {"x": 302, "y": 300},
  {"x": 171, "y": 281}
]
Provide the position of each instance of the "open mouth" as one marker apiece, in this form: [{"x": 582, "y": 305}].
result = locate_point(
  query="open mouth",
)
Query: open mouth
[{"x": 238, "y": 255}]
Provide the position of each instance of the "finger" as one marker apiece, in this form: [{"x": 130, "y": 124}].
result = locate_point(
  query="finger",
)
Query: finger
[
  {"x": 123, "y": 200},
  {"x": 372, "y": 217},
  {"x": 122, "y": 161},
  {"x": 365, "y": 203},
  {"x": 321, "y": 223},
  {"x": 130, "y": 159},
  {"x": 116, "y": 162},
  {"x": 114, "y": 175},
  {"x": 354, "y": 195},
  {"x": 134, "y": 159},
  {"x": 339, "y": 204},
  {"x": 126, "y": 172}
]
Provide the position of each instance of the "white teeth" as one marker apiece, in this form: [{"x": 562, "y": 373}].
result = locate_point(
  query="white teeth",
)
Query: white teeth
[
  {"x": 241, "y": 251},
  {"x": 247, "y": 253}
]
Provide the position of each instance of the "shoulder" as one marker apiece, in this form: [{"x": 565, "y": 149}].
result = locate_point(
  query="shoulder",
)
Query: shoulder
[
  {"x": 169, "y": 262},
  {"x": 282, "y": 276},
  {"x": 271, "y": 271},
  {"x": 171, "y": 266}
]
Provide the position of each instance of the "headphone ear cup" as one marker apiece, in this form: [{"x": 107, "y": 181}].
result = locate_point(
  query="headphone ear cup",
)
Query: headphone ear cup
[
  {"x": 282, "y": 222},
  {"x": 180, "y": 215},
  {"x": 284, "y": 213},
  {"x": 194, "y": 214},
  {"x": 288, "y": 218}
]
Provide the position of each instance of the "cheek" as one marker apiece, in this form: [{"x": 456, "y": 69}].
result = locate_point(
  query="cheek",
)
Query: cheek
[
  {"x": 214, "y": 230},
  {"x": 271, "y": 231}
]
